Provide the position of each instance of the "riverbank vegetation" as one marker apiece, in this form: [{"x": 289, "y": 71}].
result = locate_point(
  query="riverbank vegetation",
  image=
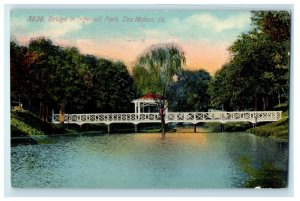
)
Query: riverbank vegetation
[
  {"x": 278, "y": 129},
  {"x": 27, "y": 124}
]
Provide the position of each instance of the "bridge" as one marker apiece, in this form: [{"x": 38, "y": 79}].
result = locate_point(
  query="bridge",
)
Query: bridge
[
  {"x": 146, "y": 111},
  {"x": 170, "y": 117}
]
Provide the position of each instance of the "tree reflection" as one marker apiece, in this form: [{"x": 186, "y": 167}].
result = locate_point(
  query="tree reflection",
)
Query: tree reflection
[{"x": 265, "y": 176}]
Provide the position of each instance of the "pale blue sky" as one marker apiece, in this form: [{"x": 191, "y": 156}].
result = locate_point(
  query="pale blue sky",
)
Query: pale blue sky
[{"x": 204, "y": 35}]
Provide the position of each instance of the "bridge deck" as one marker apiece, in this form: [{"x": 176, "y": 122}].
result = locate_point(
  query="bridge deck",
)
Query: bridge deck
[{"x": 176, "y": 117}]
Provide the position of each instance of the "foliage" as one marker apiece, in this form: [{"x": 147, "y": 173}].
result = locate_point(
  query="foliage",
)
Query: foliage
[
  {"x": 190, "y": 91},
  {"x": 155, "y": 71},
  {"x": 27, "y": 124},
  {"x": 278, "y": 129},
  {"x": 45, "y": 76},
  {"x": 276, "y": 24},
  {"x": 256, "y": 77}
]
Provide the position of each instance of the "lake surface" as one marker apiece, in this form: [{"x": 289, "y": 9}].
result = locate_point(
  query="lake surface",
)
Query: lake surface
[{"x": 177, "y": 160}]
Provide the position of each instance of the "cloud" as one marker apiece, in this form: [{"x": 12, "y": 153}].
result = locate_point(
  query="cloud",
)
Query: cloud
[
  {"x": 57, "y": 29},
  {"x": 208, "y": 21},
  {"x": 23, "y": 30}
]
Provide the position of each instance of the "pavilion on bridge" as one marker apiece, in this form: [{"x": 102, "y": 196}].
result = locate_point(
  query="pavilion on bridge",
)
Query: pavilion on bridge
[{"x": 147, "y": 104}]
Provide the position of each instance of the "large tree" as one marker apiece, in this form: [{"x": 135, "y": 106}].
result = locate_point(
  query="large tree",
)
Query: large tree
[
  {"x": 155, "y": 71},
  {"x": 256, "y": 75}
]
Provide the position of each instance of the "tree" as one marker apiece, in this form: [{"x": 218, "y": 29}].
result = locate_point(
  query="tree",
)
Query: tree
[
  {"x": 277, "y": 26},
  {"x": 18, "y": 73},
  {"x": 257, "y": 72},
  {"x": 41, "y": 54},
  {"x": 190, "y": 91},
  {"x": 154, "y": 73},
  {"x": 50, "y": 76}
]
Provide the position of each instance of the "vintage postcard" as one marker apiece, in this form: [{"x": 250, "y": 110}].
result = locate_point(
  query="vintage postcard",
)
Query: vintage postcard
[{"x": 149, "y": 98}]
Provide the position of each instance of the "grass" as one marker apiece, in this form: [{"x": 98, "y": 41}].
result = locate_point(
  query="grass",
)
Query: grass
[
  {"x": 24, "y": 124},
  {"x": 278, "y": 129}
]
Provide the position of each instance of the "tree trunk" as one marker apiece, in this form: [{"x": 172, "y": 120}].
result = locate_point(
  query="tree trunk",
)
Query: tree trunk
[
  {"x": 47, "y": 114},
  {"x": 264, "y": 103},
  {"x": 29, "y": 105},
  {"x": 41, "y": 109},
  {"x": 162, "y": 120},
  {"x": 267, "y": 102},
  {"x": 62, "y": 114},
  {"x": 255, "y": 101}
]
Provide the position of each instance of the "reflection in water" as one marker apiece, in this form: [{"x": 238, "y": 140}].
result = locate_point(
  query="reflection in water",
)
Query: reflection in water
[
  {"x": 177, "y": 160},
  {"x": 266, "y": 176}
]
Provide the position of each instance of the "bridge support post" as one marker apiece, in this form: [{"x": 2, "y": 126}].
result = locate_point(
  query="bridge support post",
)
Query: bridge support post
[
  {"x": 108, "y": 128},
  {"x": 195, "y": 128},
  {"x": 222, "y": 127},
  {"x": 135, "y": 128}
]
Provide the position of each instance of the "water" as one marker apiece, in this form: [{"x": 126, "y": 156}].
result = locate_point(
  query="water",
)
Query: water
[{"x": 178, "y": 160}]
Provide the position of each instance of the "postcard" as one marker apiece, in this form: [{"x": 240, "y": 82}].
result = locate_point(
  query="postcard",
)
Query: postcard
[{"x": 149, "y": 98}]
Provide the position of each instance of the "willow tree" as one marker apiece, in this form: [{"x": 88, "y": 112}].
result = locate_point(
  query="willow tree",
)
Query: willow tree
[{"x": 155, "y": 71}]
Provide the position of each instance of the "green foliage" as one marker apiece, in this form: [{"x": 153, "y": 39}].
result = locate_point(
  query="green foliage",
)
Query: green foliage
[
  {"x": 282, "y": 107},
  {"x": 278, "y": 129},
  {"x": 276, "y": 24},
  {"x": 155, "y": 69},
  {"x": 27, "y": 124},
  {"x": 190, "y": 91},
  {"x": 46, "y": 76},
  {"x": 256, "y": 77}
]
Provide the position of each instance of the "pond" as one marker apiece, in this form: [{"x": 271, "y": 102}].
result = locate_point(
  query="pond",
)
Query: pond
[{"x": 146, "y": 160}]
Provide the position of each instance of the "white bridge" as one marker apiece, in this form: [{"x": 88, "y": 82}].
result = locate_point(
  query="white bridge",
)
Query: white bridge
[
  {"x": 146, "y": 111},
  {"x": 170, "y": 117}
]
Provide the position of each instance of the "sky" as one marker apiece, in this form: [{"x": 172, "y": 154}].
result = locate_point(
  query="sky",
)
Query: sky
[{"x": 204, "y": 35}]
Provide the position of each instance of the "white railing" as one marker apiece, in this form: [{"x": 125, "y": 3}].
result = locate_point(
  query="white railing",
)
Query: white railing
[{"x": 188, "y": 117}]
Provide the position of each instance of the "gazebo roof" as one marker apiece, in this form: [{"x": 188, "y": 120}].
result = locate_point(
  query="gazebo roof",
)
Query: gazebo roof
[{"x": 150, "y": 97}]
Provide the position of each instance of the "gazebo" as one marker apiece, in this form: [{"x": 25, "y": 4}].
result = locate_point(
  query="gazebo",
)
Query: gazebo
[{"x": 147, "y": 104}]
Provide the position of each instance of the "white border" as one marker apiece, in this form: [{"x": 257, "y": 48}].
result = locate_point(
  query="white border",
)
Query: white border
[{"x": 4, "y": 107}]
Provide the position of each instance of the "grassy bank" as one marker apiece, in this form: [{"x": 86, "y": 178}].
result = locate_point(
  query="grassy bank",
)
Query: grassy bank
[
  {"x": 278, "y": 129},
  {"x": 26, "y": 124}
]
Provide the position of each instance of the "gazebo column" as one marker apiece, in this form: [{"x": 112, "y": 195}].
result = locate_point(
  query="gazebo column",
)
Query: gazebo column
[{"x": 139, "y": 107}]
